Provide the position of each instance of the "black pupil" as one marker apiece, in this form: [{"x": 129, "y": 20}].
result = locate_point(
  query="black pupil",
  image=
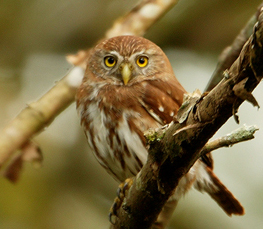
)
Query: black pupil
[
  {"x": 110, "y": 60},
  {"x": 142, "y": 60}
]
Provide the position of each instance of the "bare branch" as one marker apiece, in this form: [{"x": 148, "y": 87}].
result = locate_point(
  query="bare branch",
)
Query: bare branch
[
  {"x": 136, "y": 22},
  {"x": 38, "y": 115},
  {"x": 141, "y": 18}
]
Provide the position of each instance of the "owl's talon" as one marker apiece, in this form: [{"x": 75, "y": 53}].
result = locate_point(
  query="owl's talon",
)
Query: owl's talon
[
  {"x": 127, "y": 184},
  {"x": 112, "y": 218},
  {"x": 121, "y": 191},
  {"x": 113, "y": 210}
]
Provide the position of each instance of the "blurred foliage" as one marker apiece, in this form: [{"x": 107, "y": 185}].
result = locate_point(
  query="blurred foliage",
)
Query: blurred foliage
[{"x": 72, "y": 190}]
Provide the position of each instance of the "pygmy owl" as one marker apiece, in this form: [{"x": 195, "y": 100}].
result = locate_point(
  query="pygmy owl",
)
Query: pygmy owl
[{"x": 129, "y": 86}]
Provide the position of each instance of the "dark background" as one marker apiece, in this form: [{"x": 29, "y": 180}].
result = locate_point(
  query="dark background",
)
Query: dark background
[{"x": 71, "y": 190}]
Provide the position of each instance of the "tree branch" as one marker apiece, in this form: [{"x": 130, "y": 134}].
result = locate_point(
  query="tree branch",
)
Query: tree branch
[
  {"x": 172, "y": 156},
  {"x": 38, "y": 115},
  {"x": 243, "y": 133}
]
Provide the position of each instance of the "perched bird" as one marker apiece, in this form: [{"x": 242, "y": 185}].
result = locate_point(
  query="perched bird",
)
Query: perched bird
[{"x": 129, "y": 86}]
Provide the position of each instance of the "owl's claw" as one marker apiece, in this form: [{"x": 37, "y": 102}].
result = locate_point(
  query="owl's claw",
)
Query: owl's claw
[
  {"x": 113, "y": 211},
  {"x": 121, "y": 192}
]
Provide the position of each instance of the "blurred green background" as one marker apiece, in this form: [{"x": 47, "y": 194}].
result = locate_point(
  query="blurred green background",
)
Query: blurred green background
[{"x": 71, "y": 190}]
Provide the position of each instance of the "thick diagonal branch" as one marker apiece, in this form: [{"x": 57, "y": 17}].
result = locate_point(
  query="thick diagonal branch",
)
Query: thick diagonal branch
[{"x": 172, "y": 156}]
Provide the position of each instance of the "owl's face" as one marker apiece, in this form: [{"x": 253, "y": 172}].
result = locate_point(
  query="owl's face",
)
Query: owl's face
[{"x": 125, "y": 60}]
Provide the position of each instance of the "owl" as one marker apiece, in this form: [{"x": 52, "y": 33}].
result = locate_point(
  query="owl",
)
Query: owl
[{"x": 129, "y": 87}]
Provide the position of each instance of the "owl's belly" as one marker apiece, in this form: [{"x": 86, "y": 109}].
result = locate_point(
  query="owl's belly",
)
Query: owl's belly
[
  {"x": 117, "y": 147},
  {"x": 120, "y": 149}
]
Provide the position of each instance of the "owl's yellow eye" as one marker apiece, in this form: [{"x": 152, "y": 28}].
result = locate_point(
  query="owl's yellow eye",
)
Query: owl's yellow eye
[
  {"x": 142, "y": 61},
  {"x": 110, "y": 61}
]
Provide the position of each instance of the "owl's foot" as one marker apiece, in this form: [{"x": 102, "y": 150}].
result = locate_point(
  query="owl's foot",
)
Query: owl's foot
[{"x": 121, "y": 192}]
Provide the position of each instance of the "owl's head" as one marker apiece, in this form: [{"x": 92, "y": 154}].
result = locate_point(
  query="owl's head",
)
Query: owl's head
[{"x": 124, "y": 60}]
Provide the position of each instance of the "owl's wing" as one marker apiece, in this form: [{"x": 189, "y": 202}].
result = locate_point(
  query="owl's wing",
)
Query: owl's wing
[{"x": 162, "y": 99}]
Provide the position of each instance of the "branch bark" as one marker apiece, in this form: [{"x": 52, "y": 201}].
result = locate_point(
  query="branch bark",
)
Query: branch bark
[{"x": 172, "y": 156}]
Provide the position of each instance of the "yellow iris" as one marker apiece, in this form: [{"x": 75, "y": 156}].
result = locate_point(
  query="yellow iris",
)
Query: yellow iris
[
  {"x": 110, "y": 61},
  {"x": 142, "y": 61}
]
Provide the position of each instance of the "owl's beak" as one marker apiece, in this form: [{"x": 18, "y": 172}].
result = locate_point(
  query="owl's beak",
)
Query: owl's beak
[{"x": 126, "y": 71}]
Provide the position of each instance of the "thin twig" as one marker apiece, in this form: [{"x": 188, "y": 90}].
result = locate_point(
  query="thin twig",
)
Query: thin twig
[{"x": 243, "y": 133}]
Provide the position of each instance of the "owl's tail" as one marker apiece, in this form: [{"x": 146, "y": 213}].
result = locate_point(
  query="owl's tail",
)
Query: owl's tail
[
  {"x": 204, "y": 180},
  {"x": 224, "y": 198}
]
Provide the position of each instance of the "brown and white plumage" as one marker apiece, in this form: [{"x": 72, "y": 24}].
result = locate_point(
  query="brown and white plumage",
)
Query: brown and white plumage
[{"x": 121, "y": 97}]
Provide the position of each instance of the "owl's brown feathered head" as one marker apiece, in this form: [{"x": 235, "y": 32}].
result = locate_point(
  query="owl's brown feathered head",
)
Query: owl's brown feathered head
[{"x": 128, "y": 59}]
